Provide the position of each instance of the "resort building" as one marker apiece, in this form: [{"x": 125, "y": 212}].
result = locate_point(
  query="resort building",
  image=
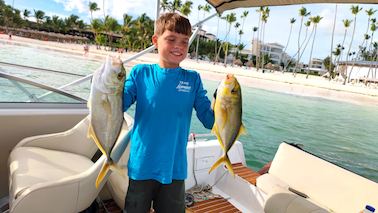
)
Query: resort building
[
  {"x": 273, "y": 50},
  {"x": 205, "y": 35},
  {"x": 316, "y": 66},
  {"x": 359, "y": 70}
]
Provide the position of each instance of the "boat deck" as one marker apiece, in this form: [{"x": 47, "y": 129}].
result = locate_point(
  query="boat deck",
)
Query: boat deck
[
  {"x": 220, "y": 204},
  {"x": 245, "y": 173},
  {"x": 213, "y": 205}
]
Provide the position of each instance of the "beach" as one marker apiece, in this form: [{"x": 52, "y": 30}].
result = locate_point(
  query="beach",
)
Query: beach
[{"x": 314, "y": 86}]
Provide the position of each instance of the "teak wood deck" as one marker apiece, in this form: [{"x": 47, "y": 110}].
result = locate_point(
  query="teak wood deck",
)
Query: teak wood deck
[{"x": 218, "y": 205}]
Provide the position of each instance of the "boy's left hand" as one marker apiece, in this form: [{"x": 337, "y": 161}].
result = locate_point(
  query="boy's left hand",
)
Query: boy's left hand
[{"x": 214, "y": 98}]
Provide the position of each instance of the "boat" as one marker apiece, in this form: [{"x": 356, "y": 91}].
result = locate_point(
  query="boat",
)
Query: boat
[{"x": 48, "y": 164}]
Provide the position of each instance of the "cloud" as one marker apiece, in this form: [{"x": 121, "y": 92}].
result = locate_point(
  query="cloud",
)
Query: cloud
[
  {"x": 114, "y": 8},
  {"x": 69, "y": 5}
]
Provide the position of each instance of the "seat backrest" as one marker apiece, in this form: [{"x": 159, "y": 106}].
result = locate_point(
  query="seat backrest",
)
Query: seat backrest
[
  {"x": 328, "y": 184},
  {"x": 74, "y": 140}
]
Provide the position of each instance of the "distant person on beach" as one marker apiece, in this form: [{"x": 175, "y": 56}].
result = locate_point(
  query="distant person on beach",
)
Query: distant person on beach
[
  {"x": 10, "y": 35},
  {"x": 86, "y": 49},
  {"x": 165, "y": 95}
]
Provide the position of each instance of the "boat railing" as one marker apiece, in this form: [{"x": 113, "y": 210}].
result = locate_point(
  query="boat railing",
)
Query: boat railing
[
  {"x": 193, "y": 137},
  {"x": 17, "y": 80}
]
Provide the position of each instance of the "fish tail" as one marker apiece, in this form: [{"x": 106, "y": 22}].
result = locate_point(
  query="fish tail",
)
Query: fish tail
[
  {"x": 223, "y": 159},
  {"x": 101, "y": 175}
]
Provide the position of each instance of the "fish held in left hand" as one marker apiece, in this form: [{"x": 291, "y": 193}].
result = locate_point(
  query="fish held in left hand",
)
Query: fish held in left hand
[
  {"x": 105, "y": 105},
  {"x": 228, "y": 118}
]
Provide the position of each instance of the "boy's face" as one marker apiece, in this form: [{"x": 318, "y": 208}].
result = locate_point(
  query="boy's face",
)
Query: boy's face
[{"x": 172, "y": 48}]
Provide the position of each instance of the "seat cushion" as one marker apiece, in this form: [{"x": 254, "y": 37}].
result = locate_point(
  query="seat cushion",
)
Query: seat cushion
[
  {"x": 283, "y": 201},
  {"x": 33, "y": 165},
  {"x": 269, "y": 183}
]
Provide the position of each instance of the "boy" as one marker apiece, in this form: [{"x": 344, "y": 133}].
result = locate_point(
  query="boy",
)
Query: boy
[{"x": 165, "y": 95}]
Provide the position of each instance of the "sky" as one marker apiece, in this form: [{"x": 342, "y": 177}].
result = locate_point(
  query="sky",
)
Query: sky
[{"x": 276, "y": 31}]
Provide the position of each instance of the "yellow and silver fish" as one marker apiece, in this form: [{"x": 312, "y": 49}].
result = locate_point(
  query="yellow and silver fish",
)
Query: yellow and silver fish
[
  {"x": 228, "y": 117},
  {"x": 105, "y": 105}
]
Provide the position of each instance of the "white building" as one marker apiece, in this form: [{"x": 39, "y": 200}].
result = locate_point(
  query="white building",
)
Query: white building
[
  {"x": 273, "y": 50},
  {"x": 316, "y": 66},
  {"x": 359, "y": 70}
]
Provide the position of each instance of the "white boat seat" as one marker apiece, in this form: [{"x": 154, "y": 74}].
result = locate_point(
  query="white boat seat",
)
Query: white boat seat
[
  {"x": 54, "y": 172},
  {"x": 315, "y": 182},
  {"x": 34, "y": 165}
]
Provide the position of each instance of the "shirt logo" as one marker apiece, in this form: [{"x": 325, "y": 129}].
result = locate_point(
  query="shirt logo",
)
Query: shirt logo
[{"x": 183, "y": 86}]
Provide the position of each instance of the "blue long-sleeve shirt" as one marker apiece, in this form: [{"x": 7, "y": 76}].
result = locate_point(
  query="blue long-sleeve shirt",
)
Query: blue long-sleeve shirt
[{"x": 165, "y": 98}]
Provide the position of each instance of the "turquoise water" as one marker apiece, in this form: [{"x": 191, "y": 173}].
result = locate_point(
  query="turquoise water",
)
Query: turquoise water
[{"x": 342, "y": 133}]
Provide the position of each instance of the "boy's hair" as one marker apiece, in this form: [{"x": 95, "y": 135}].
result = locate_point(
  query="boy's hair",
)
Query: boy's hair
[{"x": 173, "y": 22}]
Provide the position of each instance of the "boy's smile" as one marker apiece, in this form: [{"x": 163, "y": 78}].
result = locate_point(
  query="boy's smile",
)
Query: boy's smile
[{"x": 172, "y": 48}]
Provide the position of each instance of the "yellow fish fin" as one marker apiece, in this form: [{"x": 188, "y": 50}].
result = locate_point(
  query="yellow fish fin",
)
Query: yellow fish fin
[
  {"x": 92, "y": 135},
  {"x": 242, "y": 130},
  {"x": 216, "y": 132},
  {"x": 226, "y": 160},
  {"x": 105, "y": 169},
  {"x": 101, "y": 175}
]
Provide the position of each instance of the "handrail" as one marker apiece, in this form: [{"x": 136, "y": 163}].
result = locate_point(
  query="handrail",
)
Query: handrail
[
  {"x": 39, "y": 69},
  {"x": 42, "y": 86}
]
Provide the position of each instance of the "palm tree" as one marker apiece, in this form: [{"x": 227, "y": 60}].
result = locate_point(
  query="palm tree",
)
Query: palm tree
[
  {"x": 199, "y": 8},
  {"x": 264, "y": 20},
  {"x": 164, "y": 4},
  {"x": 315, "y": 20},
  {"x": 111, "y": 25},
  {"x": 292, "y": 21},
  {"x": 254, "y": 29},
  {"x": 237, "y": 25},
  {"x": 216, "y": 42},
  {"x": 26, "y": 14},
  {"x": 302, "y": 13},
  {"x": 186, "y": 8},
  {"x": 92, "y": 7},
  {"x": 346, "y": 23},
  {"x": 176, "y": 5},
  {"x": 39, "y": 15},
  {"x": 373, "y": 27},
  {"x": 127, "y": 30},
  {"x": 260, "y": 11},
  {"x": 230, "y": 18},
  {"x": 369, "y": 13},
  {"x": 355, "y": 10},
  {"x": 205, "y": 9},
  {"x": 98, "y": 26},
  {"x": 243, "y": 17},
  {"x": 333, "y": 36}
]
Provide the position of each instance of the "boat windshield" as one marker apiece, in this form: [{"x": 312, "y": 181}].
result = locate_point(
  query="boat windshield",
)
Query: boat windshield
[{"x": 19, "y": 90}]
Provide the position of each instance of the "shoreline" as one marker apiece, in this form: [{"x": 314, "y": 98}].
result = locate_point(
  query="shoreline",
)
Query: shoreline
[{"x": 314, "y": 86}]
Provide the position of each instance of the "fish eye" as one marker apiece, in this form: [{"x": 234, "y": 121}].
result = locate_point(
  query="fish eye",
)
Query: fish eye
[{"x": 120, "y": 75}]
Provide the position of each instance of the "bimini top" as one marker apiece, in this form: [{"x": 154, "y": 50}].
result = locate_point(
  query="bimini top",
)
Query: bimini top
[{"x": 223, "y": 5}]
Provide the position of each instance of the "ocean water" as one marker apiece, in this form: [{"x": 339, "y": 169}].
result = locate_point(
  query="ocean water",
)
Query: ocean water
[{"x": 343, "y": 133}]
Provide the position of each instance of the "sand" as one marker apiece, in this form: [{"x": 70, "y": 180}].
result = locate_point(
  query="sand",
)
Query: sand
[{"x": 314, "y": 86}]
